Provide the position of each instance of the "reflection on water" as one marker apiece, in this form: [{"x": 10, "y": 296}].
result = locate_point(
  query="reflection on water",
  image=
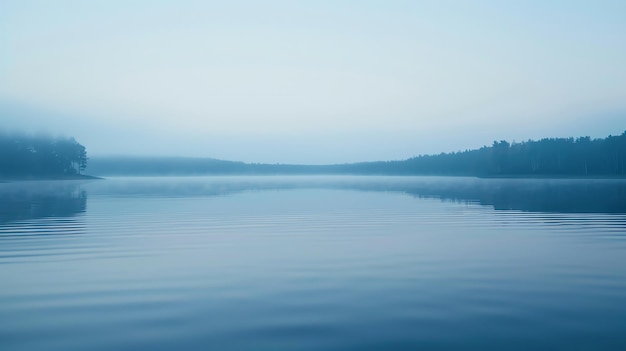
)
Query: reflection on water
[
  {"x": 535, "y": 195},
  {"x": 44, "y": 199},
  {"x": 313, "y": 263},
  {"x": 30, "y": 200}
]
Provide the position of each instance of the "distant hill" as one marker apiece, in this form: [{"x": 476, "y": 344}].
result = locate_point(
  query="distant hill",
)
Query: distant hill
[
  {"x": 554, "y": 157},
  {"x": 141, "y": 165}
]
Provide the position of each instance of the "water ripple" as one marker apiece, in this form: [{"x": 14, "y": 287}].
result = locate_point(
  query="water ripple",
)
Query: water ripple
[{"x": 309, "y": 269}]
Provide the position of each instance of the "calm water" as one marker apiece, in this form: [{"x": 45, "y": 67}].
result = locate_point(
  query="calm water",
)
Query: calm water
[{"x": 313, "y": 263}]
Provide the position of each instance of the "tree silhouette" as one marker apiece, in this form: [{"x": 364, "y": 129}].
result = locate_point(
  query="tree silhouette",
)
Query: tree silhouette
[
  {"x": 582, "y": 156},
  {"x": 40, "y": 156}
]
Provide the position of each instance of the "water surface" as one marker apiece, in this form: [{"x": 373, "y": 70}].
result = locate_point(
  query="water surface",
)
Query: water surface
[{"x": 313, "y": 263}]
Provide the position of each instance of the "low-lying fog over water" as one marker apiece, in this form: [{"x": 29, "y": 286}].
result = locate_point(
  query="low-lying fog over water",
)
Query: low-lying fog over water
[{"x": 313, "y": 263}]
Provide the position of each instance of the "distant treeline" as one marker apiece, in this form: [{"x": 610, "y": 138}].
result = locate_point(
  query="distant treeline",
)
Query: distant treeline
[
  {"x": 27, "y": 156},
  {"x": 557, "y": 157},
  {"x": 581, "y": 156}
]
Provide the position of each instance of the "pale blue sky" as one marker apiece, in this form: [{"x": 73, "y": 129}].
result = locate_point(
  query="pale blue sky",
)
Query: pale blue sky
[{"x": 311, "y": 81}]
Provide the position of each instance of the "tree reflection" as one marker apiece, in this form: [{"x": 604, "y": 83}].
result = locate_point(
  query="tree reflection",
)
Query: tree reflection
[
  {"x": 33, "y": 200},
  {"x": 535, "y": 195}
]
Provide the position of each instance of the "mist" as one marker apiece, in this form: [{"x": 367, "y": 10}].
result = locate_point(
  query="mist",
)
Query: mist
[{"x": 311, "y": 83}]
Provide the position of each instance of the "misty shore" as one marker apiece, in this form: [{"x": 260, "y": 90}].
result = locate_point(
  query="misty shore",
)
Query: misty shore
[
  {"x": 580, "y": 157},
  {"x": 36, "y": 178}
]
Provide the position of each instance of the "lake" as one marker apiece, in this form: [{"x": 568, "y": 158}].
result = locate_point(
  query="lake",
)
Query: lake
[{"x": 313, "y": 263}]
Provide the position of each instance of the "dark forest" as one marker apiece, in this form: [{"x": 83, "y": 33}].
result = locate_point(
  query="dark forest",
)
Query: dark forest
[
  {"x": 581, "y": 156},
  {"x": 27, "y": 156}
]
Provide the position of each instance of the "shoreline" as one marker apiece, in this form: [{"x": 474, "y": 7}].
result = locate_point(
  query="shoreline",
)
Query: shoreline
[
  {"x": 510, "y": 176},
  {"x": 39, "y": 178}
]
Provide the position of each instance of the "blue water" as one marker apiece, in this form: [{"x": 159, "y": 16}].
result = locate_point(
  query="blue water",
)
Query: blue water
[{"x": 313, "y": 263}]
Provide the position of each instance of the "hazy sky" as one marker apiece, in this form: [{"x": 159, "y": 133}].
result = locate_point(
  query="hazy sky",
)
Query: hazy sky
[{"x": 311, "y": 81}]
